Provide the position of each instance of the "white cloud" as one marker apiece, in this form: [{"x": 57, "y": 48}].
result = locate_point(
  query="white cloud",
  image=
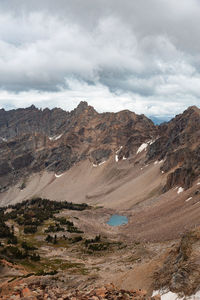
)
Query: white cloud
[
  {"x": 138, "y": 55},
  {"x": 98, "y": 96}
]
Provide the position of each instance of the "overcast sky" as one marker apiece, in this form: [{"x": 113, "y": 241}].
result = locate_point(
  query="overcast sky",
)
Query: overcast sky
[{"x": 142, "y": 55}]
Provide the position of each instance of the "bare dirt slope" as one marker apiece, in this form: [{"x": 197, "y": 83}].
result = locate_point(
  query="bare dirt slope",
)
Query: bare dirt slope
[{"x": 120, "y": 187}]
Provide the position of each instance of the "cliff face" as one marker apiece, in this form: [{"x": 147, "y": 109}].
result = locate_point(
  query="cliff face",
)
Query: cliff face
[
  {"x": 32, "y": 140},
  {"x": 179, "y": 147}
]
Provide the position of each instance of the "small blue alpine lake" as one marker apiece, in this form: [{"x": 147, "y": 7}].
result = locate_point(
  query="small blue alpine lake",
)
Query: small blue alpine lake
[{"x": 116, "y": 220}]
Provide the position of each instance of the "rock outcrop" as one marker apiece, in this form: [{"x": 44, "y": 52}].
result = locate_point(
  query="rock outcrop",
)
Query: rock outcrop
[
  {"x": 179, "y": 146},
  {"x": 180, "y": 272},
  {"x": 42, "y": 288}
]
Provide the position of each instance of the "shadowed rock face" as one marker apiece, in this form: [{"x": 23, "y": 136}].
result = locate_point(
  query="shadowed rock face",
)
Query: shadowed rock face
[
  {"x": 32, "y": 140},
  {"x": 179, "y": 146}
]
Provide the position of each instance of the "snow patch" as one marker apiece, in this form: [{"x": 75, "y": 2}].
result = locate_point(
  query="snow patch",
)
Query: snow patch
[
  {"x": 188, "y": 199},
  {"x": 162, "y": 172},
  {"x": 58, "y": 175},
  {"x": 173, "y": 296},
  {"x": 151, "y": 142},
  {"x": 198, "y": 183},
  {"x": 116, "y": 155},
  {"x": 124, "y": 158},
  {"x": 96, "y": 165},
  {"x": 180, "y": 190},
  {"x": 145, "y": 166},
  {"x": 145, "y": 145},
  {"x": 119, "y": 149},
  {"x": 142, "y": 147},
  {"x": 55, "y": 138},
  {"x": 3, "y": 139},
  {"x": 158, "y": 162},
  {"x": 170, "y": 296}
]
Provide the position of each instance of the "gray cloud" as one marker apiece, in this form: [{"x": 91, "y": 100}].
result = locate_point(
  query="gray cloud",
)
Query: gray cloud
[{"x": 141, "y": 55}]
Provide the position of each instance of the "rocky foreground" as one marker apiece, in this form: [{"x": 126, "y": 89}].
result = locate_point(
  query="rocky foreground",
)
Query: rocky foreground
[
  {"x": 177, "y": 270},
  {"x": 38, "y": 291}
]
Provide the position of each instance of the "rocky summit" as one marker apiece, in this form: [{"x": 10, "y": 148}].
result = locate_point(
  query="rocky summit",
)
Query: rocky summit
[{"x": 63, "y": 175}]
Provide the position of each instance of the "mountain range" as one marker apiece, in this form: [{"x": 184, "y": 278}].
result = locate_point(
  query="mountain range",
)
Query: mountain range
[
  {"x": 117, "y": 163},
  {"x": 33, "y": 140}
]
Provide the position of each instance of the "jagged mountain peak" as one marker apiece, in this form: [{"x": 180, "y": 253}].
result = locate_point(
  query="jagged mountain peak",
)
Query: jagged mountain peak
[
  {"x": 83, "y": 107},
  {"x": 193, "y": 108},
  {"x": 32, "y": 107},
  {"x": 188, "y": 114}
]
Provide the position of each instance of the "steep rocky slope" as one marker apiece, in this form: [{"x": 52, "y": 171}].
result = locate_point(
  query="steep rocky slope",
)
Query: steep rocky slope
[
  {"x": 179, "y": 146},
  {"x": 33, "y": 140}
]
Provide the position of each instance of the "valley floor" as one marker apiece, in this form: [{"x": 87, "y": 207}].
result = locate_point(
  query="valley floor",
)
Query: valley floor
[
  {"x": 127, "y": 263},
  {"x": 158, "y": 248}
]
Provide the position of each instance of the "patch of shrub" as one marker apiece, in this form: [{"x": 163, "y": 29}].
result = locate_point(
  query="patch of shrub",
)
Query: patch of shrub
[
  {"x": 91, "y": 241},
  {"x": 34, "y": 212},
  {"x": 54, "y": 228},
  {"x": 77, "y": 239},
  {"x": 30, "y": 229},
  {"x": 43, "y": 273},
  {"x": 49, "y": 239},
  {"x": 27, "y": 247},
  {"x": 64, "y": 221},
  {"x": 4, "y": 230},
  {"x": 73, "y": 229},
  {"x": 14, "y": 252},
  {"x": 98, "y": 246},
  {"x": 12, "y": 240},
  {"x": 35, "y": 257}
]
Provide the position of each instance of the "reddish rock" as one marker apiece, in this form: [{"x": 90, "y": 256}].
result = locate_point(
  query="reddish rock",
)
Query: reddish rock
[{"x": 26, "y": 292}]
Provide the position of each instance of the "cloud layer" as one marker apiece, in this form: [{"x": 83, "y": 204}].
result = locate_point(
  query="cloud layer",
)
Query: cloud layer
[{"x": 138, "y": 55}]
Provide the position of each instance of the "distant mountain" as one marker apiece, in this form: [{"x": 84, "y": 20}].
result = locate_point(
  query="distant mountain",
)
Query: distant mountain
[{"x": 158, "y": 120}]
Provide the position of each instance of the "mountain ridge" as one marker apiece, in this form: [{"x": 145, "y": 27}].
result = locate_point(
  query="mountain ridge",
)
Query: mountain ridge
[{"x": 33, "y": 140}]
